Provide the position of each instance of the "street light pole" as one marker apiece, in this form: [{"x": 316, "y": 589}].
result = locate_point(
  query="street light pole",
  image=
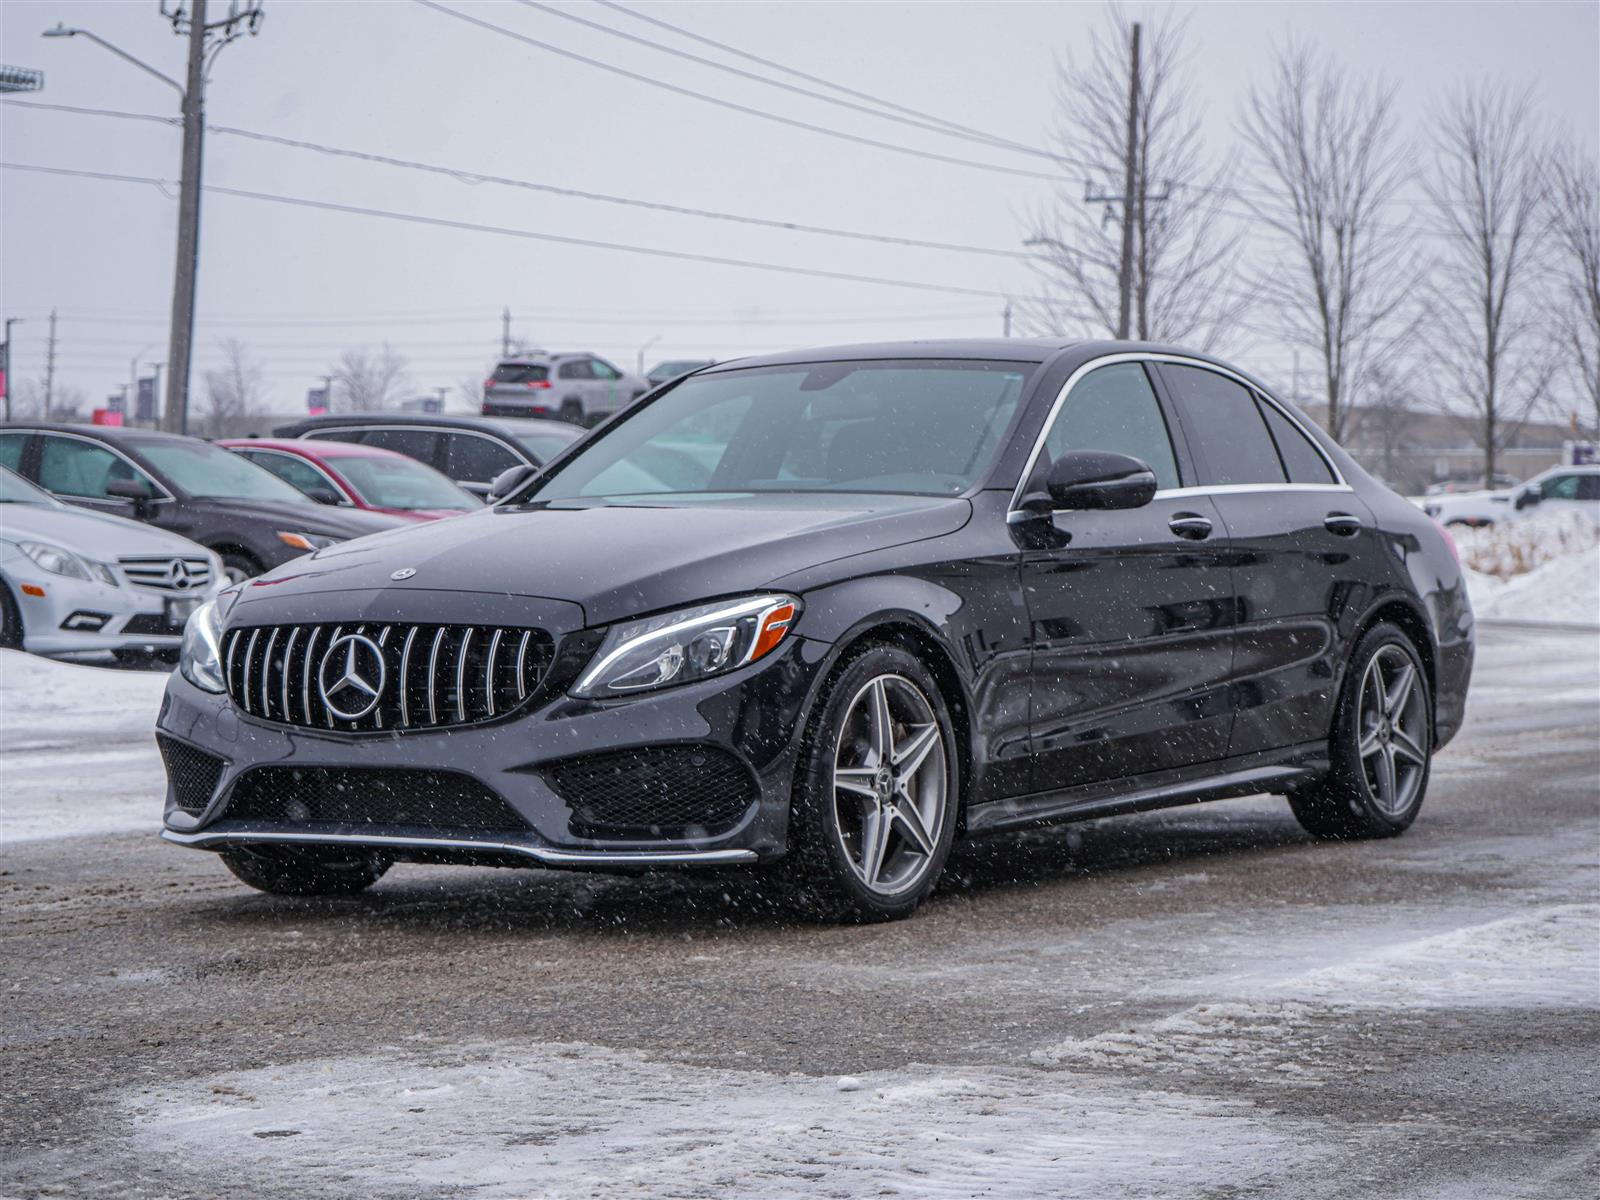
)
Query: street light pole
[{"x": 205, "y": 42}]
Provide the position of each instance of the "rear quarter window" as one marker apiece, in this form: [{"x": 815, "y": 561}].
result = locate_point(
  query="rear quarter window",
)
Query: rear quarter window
[{"x": 1301, "y": 459}]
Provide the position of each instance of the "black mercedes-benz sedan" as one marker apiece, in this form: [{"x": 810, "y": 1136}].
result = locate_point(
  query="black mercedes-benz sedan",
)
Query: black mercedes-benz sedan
[{"x": 826, "y": 612}]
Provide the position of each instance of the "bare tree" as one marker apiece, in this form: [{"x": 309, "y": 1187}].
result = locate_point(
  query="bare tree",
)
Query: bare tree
[
  {"x": 368, "y": 381},
  {"x": 1184, "y": 248},
  {"x": 1328, "y": 151},
  {"x": 1574, "y": 183},
  {"x": 234, "y": 393},
  {"x": 1487, "y": 187}
]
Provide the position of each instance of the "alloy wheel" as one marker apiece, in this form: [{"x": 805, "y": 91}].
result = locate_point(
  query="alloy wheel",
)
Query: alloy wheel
[
  {"x": 1393, "y": 730},
  {"x": 890, "y": 785}
]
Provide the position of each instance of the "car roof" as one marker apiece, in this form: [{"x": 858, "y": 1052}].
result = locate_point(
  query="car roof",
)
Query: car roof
[
  {"x": 109, "y": 433},
  {"x": 992, "y": 349},
  {"x": 432, "y": 420},
  {"x": 310, "y": 447}
]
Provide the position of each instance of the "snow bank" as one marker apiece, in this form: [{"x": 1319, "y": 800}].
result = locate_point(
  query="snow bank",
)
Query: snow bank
[
  {"x": 1543, "y": 567},
  {"x": 1523, "y": 543},
  {"x": 77, "y": 749},
  {"x": 510, "y": 1120}
]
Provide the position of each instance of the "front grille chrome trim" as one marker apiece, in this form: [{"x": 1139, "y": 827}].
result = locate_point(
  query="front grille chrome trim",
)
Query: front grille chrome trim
[{"x": 273, "y": 673}]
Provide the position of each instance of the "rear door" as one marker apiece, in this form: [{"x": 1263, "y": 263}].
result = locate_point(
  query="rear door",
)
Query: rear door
[
  {"x": 1130, "y": 611},
  {"x": 1303, "y": 553}
]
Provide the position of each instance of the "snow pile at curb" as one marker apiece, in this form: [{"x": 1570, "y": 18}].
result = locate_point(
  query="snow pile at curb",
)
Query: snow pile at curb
[
  {"x": 1524, "y": 543},
  {"x": 1564, "y": 590},
  {"x": 505, "y": 1120},
  {"x": 77, "y": 749}
]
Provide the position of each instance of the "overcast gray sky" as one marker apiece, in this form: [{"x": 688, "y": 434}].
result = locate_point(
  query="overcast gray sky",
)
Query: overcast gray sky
[{"x": 395, "y": 78}]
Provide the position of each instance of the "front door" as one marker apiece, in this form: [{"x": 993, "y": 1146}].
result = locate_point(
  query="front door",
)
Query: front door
[
  {"x": 81, "y": 471},
  {"x": 1131, "y": 610}
]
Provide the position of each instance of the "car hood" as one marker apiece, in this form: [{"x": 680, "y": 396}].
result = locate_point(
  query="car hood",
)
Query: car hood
[
  {"x": 304, "y": 518},
  {"x": 95, "y": 535},
  {"x": 618, "y": 560}
]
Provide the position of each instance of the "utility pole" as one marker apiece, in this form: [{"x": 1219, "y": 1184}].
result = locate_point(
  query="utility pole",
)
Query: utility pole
[
  {"x": 505, "y": 333},
  {"x": 5, "y": 362},
  {"x": 1130, "y": 175},
  {"x": 206, "y": 40},
  {"x": 327, "y": 392},
  {"x": 1006, "y": 319},
  {"x": 50, "y": 366}
]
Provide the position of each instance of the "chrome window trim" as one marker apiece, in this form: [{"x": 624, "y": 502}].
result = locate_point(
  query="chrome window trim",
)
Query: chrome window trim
[
  {"x": 164, "y": 494},
  {"x": 1015, "y": 509}
]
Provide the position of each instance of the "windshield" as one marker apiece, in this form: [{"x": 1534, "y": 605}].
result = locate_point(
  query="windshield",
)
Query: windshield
[
  {"x": 546, "y": 443},
  {"x": 924, "y": 427},
  {"x": 209, "y": 473},
  {"x": 16, "y": 490},
  {"x": 402, "y": 483}
]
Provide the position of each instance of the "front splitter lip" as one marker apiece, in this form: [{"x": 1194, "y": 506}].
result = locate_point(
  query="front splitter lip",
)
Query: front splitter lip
[{"x": 548, "y": 856}]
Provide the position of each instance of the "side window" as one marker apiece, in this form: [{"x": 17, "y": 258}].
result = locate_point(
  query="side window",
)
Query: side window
[
  {"x": 575, "y": 368},
  {"x": 1300, "y": 458},
  {"x": 1115, "y": 408},
  {"x": 1589, "y": 487},
  {"x": 11, "y": 446},
  {"x": 71, "y": 467},
  {"x": 1224, "y": 427},
  {"x": 603, "y": 369},
  {"x": 473, "y": 459},
  {"x": 420, "y": 444},
  {"x": 301, "y": 476},
  {"x": 1559, "y": 487}
]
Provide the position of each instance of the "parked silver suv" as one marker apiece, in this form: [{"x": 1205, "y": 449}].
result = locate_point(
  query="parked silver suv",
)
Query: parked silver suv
[{"x": 580, "y": 387}]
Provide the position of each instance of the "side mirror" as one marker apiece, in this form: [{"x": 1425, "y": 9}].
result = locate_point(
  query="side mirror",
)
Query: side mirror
[
  {"x": 324, "y": 495},
  {"x": 135, "y": 491},
  {"x": 508, "y": 481},
  {"x": 1529, "y": 498},
  {"x": 1099, "y": 479}
]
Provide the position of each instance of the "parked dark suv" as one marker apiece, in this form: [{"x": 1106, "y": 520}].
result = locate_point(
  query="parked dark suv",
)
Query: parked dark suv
[
  {"x": 470, "y": 450},
  {"x": 885, "y": 597},
  {"x": 250, "y": 517}
]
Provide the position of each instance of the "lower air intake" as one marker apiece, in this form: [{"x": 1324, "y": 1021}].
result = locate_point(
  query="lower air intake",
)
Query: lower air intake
[
  {"x": 654, "y": 791},
  {"x": 434, "y": 800},
  {"x": 192, "y": 773}
]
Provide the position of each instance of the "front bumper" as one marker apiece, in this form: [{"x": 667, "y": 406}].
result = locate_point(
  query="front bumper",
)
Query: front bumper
[
  {"x": 77, "y": 616},
  {"x": 747, "y": 718}
]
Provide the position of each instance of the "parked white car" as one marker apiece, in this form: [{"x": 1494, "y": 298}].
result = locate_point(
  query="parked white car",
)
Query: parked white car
[
  {"x": 74, "y": 580},
  {"x": 1558, "y": 489}
]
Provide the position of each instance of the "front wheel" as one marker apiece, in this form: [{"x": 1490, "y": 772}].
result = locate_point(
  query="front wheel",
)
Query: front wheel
[
  {"x": 1381, "y": 747},
  {"x": 876, "y": 793},
  {"x": 289, "y": 871},
  {"x": 239, "y": 566}
]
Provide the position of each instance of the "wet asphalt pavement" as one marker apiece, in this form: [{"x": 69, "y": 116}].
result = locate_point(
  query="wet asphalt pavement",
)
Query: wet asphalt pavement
[{"x": 1422, "y": 1014}]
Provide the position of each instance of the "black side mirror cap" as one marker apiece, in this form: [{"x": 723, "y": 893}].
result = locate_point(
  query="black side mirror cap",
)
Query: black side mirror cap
[
  {"x": 510, "y": 480},
  {"x": 325, "y": 496},
  {"x": 128, "y": 489},
  {"x": 1098, "y": 479}
]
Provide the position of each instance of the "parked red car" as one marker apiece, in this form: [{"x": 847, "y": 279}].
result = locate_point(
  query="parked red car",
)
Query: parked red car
[{"x": 351, "y": 474}]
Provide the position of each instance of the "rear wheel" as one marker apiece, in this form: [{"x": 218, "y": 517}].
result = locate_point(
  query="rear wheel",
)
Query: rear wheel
[
  {"x": 292, "y": 871},
  {"x": 876, "y": 793},
  {"x": 1381, "y": 747},
  {"x": 572, "y": 411}
]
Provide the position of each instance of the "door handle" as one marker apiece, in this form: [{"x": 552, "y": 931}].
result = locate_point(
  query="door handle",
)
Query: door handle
[
  {"x": 1342, "y": 524},
  {"x": 1190, "y": 525}
]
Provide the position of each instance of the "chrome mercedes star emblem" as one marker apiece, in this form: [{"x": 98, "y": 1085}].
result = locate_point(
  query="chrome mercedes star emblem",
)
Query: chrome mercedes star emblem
[
  {"x": 178, "y": 575},
  {"x": 351, "y": 677},
  {"x": 403, "y": 573}
]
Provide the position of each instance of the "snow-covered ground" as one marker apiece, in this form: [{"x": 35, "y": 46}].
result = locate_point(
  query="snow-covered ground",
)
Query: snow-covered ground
[
  {"x": 1543, "y": 567},
  {"x": 77, "y": 749}
]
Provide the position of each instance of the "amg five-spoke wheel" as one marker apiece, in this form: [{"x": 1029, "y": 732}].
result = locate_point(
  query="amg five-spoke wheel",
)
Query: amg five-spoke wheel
[
  {"x": 875, "y": 805},
  {"x": 889, "y": 785},
  {"x": 1380, "y": 746}
]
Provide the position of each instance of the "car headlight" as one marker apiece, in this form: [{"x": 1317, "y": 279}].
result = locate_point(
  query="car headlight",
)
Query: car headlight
[
  {"x": 686, "y": 645},
  {"x": 104, "y": 572},
  {"x": 200, "y": 658},
  {"x": 307, "y": 541},
  {"x": 55, "y": 559}
]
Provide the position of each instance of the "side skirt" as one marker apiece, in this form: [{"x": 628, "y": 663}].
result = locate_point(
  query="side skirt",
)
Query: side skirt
[{"x": 1244, "y": 776}]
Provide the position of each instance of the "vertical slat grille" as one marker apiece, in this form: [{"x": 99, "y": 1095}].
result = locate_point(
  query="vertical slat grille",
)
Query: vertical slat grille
[{"x": 432, "y": 675}]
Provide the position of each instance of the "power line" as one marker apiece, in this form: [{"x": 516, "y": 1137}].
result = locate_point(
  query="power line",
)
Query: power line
[
  {"x": 1054, "y": 177},
  {"x": 917, "y": 121},
  {"x": 531, "y": 235},
  {"x": 462, "y": 175}
]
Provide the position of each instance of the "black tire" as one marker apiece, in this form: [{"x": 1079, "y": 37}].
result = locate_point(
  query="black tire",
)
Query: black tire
[
  {"x": 10, "y": 620},
  {"x": 572, "y": 412},
  {"x": 290, "y": 871},
  {"x": 818, "y": 875},
  {"x": 240, "y": 564},
  {"x": 1349, "y": 803}
]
